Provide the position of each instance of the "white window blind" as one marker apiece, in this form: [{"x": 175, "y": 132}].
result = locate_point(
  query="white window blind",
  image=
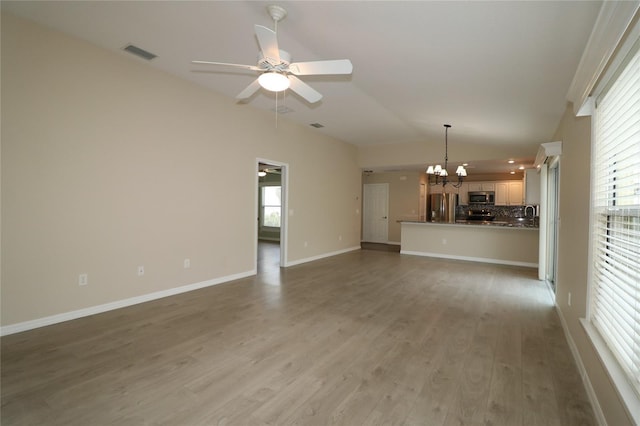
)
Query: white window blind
[{"x": 615, "y": 219}]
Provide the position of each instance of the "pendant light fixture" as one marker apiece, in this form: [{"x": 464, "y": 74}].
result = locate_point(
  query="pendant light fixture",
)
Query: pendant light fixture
[{"x": 440, "y": 173}]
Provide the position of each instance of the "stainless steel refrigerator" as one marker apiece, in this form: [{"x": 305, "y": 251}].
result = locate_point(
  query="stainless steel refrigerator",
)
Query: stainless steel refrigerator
[{"x": 442, "y": 208}]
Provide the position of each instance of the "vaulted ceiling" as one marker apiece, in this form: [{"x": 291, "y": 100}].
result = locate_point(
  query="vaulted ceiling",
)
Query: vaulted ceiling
[{"x": 498, "y": 71}]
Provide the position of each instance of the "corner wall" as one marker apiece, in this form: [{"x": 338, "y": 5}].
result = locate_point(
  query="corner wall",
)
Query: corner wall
[{"x": 109, "y": 164}]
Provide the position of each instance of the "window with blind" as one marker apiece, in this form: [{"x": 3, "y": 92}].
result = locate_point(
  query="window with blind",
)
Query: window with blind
[{"x": 615, "y": 219}]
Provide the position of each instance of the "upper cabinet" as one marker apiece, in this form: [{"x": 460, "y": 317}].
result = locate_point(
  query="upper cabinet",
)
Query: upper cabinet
[
  {"x": 531, "y": 186},
  {"x": 509, "y": 193},
  {"x": 482, "y": 186}
]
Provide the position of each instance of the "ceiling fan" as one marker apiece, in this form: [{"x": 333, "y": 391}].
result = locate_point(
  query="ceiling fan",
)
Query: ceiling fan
[{"x": 277, "y": 72}]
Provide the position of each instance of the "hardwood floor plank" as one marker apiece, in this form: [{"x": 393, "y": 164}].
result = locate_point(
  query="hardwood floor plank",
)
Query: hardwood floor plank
[{"x": 367, "y": 337}]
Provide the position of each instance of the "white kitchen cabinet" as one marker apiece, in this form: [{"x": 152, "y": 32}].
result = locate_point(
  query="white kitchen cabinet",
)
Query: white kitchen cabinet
[
  {"x": 516, "y": 197},
  {"x": 482, "y": 186},
  {"x": 502, "y": 194},
  {"x": 488, "y": 186},
  {"x": 532, "y": 186},
  {"x": 509, "y": 193}
]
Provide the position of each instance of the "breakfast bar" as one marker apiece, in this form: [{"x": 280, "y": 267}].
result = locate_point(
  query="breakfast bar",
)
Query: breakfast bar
[{"x": 497, "y": 242}]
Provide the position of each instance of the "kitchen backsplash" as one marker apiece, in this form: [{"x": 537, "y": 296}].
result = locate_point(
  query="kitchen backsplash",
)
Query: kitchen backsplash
[{"x": 497, "y": 211}]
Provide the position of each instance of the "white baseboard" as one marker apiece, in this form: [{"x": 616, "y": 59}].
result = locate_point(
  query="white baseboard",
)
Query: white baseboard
[
  {"x": 391, "y": 243},
  {"x": 591, "y": 394},
  {"x": 67, "y": 316},
  {"x": 470, "y": 259},
  {"x": 321, "y": 256}
]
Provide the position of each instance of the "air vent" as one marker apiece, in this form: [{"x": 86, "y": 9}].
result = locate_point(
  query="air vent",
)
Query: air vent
[
  {"x": 316, "y": 125},
  {"x": 139, "y": 52}
]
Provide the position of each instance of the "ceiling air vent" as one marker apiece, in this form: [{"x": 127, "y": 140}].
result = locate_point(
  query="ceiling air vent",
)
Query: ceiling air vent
[
  {"x": 316, "y": 125},
  {"x": 139, "y": 52}
]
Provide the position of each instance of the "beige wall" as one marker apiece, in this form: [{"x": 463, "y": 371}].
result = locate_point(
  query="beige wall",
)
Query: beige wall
[
  {"x": 108, "y": 164},
  {"x": 492, "y": 244},
  {"x": 573, "y": 243},
  {"x": 404, "y": 197}
]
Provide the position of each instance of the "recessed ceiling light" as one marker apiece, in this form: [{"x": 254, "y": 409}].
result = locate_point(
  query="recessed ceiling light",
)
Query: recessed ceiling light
[
  {"x": 511, "y": 161},
  {"x": 512, "y": 172},
  {"x": 465, "y": 164},
  {"x": 521, "y": 168}
]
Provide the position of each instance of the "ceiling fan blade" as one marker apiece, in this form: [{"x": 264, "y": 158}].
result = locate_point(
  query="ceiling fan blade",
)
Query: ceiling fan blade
[
  {"x": 339, "y": 66},
  {"x": 268, "y": 42},
  {"x": 248, "y": 67},
  {"x": 249, "y": 90},
  {"x": 304, "y": 90}
]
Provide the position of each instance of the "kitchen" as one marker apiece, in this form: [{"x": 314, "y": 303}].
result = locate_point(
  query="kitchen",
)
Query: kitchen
[{"x": 493, "y": 219}]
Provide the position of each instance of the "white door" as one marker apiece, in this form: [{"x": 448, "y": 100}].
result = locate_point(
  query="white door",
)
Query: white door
[{"x": 375, "y": 213}]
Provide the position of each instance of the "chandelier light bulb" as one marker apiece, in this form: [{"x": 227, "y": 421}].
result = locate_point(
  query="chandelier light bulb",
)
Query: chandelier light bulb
[{"x": 274, "y": 81}]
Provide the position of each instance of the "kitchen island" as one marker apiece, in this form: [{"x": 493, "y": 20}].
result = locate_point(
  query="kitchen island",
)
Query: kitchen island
[{"x": 508, "y": 243}]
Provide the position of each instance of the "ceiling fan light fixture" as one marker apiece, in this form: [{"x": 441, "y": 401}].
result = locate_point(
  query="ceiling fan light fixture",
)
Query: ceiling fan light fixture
[{"x": 274, "y": 81}]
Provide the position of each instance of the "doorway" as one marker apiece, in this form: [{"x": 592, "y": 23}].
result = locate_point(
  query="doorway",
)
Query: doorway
[
  {"x": 271, "y": 207},
  {"x": 375, "y": 213}
]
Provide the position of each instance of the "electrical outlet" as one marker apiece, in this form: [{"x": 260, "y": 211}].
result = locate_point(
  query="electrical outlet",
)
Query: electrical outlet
[
  {"x": 569, "y": 299},
  {"x": 140, "y": 271},
  {"x": 83, "y": 279},
  {"x": 444, "y": 241},
  {"x": 306, "y": 244},
  {"x": 187, "y": 263},
  {"x": 339, "y": 237}
]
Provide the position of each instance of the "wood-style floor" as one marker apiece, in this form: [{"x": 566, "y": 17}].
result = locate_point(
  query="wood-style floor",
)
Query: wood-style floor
[{"x": 365, "y": 338}]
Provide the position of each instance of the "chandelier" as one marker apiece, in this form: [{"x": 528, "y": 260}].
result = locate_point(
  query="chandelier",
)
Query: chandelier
[{"x": 439, "y": 172}]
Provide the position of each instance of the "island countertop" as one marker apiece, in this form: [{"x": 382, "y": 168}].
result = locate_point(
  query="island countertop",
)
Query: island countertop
[
  {"x": 511, "y": 224},
  {"x": 490, "y": 243}
]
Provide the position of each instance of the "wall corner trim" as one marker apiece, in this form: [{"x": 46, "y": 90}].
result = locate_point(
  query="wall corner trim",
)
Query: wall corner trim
[{"x": 85, "y": 312}]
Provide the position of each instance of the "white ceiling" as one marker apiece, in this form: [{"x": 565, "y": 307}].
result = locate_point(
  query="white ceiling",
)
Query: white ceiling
[{"x": 499, "y": 72}]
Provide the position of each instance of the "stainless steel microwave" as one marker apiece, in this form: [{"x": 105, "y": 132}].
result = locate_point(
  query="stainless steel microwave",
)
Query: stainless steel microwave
[{"x": 482, "y": 197}]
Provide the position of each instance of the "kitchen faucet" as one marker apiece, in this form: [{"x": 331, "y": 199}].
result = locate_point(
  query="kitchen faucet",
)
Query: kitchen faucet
[{"x": 533, "y": 211}]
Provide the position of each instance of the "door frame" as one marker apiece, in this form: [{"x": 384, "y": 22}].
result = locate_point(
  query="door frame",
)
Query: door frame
[{"x": 284, "y": 198}]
